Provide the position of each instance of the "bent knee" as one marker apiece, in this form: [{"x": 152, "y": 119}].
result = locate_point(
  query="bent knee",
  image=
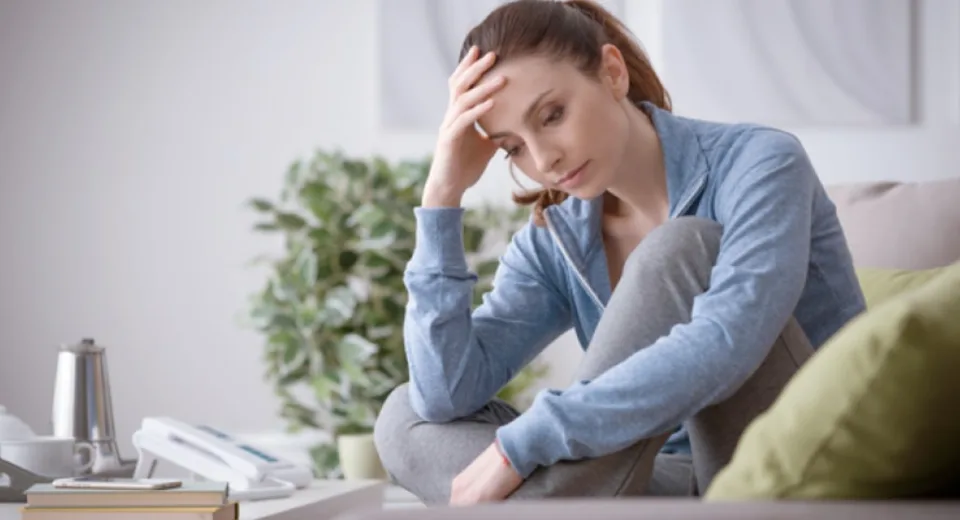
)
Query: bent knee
[
  {"x": 395, "y": 415},
  {"x": 680, "y": 239},
  {"x": 393, "y": 422}
]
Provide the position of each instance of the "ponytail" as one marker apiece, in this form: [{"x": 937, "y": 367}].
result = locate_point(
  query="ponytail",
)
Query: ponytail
[{"x": 645, "y": 85}]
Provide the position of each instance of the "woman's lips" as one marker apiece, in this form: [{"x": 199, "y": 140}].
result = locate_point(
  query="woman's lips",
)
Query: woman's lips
[{"x": 573, "y": 178}]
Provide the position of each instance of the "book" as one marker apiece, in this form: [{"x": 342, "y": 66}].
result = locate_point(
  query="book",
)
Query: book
[
  {"x": 196, "y": 494},
  {"x": 229, "y": 511}
]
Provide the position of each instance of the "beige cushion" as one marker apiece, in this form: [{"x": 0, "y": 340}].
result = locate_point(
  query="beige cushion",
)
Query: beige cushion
[{"x": 900, "y": 225}]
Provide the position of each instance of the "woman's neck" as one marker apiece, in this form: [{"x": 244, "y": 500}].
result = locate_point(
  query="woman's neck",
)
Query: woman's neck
[{"x": 640, "y": 188}]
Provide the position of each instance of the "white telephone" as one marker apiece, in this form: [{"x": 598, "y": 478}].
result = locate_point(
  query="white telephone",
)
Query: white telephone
[{"x": 210, "y": 454}]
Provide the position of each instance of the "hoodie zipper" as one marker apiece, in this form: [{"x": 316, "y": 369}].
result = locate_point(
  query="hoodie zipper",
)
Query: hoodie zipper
[
  {"x": 681, "y": 208},
  {"x": 566, "y": 256}
]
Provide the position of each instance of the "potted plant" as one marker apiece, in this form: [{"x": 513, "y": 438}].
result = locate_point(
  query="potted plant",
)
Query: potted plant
[{"x": 331, "y": 309}]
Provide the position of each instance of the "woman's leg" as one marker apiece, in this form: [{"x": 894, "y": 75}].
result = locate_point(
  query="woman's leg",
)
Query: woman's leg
[
  {"x": 656, "y": 291},
  {"x": 424, "y": 457},
  {"x": 660, "y": 280}
]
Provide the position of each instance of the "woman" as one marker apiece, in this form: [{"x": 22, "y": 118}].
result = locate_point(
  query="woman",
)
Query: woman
[{"x": 700, "y": 264}]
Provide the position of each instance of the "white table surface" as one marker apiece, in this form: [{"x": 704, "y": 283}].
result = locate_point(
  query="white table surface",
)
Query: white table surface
[{"x": 323, "y": 500}]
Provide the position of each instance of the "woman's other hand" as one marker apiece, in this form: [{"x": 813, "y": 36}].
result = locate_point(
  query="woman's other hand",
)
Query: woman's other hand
[{"x": 489, "y": 478}]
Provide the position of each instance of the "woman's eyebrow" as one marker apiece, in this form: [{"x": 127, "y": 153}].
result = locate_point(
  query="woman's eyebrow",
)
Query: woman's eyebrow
[{"x": 527, "y": 114}]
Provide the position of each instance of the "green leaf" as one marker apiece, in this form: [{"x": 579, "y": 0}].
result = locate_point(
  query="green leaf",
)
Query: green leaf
[
  {"x": 356, "y": 169},
  {"x": 376, "y": 243},
  {"x": 355, "y": 373},
  {"x": 324, "y": 388},
  {"x": 298, "y": 411},
  {"x": 315, "y": 198},
  {"x": 383, "y": 332},
  {"x": 410, "y": 173},
  {"x": 487, "y": 268},
  {"x": 320, "y": 237},
  {"x": 309, "y": 315},
  {"x": 290, "y": 221},
  {"x": 380, "y": 383},
  {"x": 293, "y": 356},
  {"x": 354, "y": 348},
  {"x": 366, "y": 215},
  {"x": 308, "y": 267},
  {"x": 262, "y": 205},
  {"x": 347, "y": 259},
  {"x": 292, "y": 177},
  {"x": 382, "y": 229},
  {"x": 266, "y": 226},
  {"x": 326, "y": 460},
  {"x": 339, "y": 305},
  {"x": 314, "y": 191},
  {"x": 361, "y": 413},
  {"x": 396, "y": 367},
  {"x": 472, "y": 238},
  {"x": 282, "y": 341},
  {"x": 354, "y": 429}
]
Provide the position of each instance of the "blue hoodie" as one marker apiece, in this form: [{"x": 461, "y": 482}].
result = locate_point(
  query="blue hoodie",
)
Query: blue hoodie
[{"x": 782, "y": 252}]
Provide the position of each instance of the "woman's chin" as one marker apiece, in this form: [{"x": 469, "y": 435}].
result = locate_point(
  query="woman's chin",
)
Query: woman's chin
[{"x": 587, "y": 191}]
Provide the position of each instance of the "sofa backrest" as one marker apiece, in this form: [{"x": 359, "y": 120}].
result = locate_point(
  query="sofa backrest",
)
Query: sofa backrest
[{"x": 900, "y": 225}]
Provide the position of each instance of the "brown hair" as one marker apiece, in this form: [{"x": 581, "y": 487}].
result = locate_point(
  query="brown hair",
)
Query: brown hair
[{"x": 568, "y": 29}]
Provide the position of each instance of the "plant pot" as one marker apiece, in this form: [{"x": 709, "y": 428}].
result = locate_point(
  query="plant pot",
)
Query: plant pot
[{"x": 359, "y": 459}]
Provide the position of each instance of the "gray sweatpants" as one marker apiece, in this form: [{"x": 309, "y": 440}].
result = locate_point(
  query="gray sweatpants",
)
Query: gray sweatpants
[{"x": 656, "y": 291}]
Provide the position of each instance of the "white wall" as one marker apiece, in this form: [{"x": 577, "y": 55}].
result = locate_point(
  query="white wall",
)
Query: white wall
[{"x": 131, "y": 132}]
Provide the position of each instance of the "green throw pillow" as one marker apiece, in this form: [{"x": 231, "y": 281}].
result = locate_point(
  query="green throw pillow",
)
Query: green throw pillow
[
  {"x": 872, "y": 415},
  {"x": 879, "y": 285}
]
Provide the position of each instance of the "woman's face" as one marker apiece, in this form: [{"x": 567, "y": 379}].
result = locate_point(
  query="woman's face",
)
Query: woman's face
[{"x": 560, "y": 127}]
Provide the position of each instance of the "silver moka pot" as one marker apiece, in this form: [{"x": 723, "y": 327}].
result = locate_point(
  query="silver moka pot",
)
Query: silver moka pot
[{"x": 82, "y": 406}]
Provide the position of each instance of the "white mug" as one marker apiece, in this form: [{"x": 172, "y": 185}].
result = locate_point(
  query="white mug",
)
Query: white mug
[{"x": 47, "y": 455}]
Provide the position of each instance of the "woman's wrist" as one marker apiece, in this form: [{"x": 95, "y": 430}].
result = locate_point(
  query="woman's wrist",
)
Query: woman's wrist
[
  {"x": 503, "y": 456},
  {"x": 440, "y": 196}
]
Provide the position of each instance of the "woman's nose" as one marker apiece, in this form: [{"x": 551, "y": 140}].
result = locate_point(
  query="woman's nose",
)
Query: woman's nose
[{"x": 546, "y": 159}]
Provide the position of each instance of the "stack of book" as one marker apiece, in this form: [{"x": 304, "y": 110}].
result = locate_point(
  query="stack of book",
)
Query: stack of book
[{"x": 193, "y": 500}]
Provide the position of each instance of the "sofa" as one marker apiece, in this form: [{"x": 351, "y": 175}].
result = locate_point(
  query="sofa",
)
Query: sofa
[{"x": 892, "y": 227}]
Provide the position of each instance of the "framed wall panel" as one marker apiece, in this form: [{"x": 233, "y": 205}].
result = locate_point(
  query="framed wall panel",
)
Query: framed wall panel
[{"x": 791, "y": 62}]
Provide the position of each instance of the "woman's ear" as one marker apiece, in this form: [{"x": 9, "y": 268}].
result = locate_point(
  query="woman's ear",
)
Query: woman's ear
[{"x": 613, "y": 71}]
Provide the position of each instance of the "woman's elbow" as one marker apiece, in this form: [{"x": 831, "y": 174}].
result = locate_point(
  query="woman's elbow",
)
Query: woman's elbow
[{"x": 434, "y": 407}]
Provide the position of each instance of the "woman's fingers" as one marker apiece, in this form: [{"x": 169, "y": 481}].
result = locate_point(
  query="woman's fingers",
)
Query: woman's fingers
[
  {"x": 468, "y": 117},
  {"x": 467, "y": 101},
  {"x": 469, "y": 76},
  {"x": 472, "y": 99},
  {"x": 479, "y": 93},
  {"x": 468, "y": 59}
]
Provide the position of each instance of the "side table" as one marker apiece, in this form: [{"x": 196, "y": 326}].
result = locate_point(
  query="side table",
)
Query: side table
[{"x": 322, "y": 500}]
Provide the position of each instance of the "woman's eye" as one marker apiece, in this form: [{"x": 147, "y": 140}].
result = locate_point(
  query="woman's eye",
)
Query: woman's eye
[
  {"x": 554, "y": 115},
  {"x": 511, "y": 151}
]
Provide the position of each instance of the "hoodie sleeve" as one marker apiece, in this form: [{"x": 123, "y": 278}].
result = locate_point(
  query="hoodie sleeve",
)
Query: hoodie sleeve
[
  {"x": 460, "y": 358},
  {"x": 765, "y": 209}
]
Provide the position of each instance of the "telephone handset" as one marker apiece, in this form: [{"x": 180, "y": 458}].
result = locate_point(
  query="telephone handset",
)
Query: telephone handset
[{"x": 211, "y": 454}]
